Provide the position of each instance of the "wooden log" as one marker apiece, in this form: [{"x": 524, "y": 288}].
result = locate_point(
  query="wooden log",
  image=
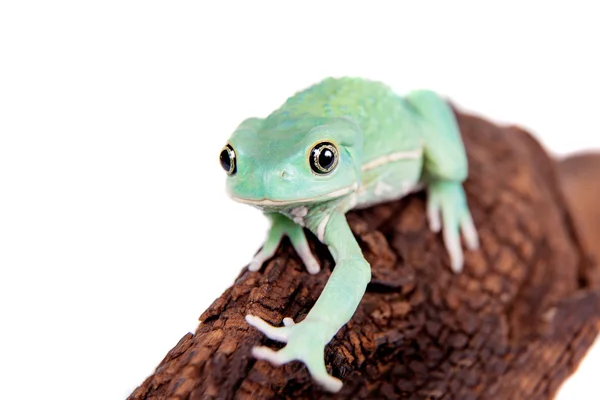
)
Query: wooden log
[{"x": 514, "y": 325}]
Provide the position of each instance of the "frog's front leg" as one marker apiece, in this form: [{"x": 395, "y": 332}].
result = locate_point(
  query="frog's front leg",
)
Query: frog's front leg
[
  {"x": 445, "y": 170},
  {"x": 307, "y": 339},
  {"x": 282, "y": 226}
]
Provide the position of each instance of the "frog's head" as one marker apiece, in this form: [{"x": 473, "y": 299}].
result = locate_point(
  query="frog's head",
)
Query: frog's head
[{"x": 281, "y": 161}]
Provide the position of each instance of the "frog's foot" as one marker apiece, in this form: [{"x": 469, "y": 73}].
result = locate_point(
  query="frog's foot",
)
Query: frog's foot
[
  {"x": 305, "y": 342},
  {"x": 300, "y": 245},
  {"x": 283, "y": 226},
  {"x": 446, "y": 201}
]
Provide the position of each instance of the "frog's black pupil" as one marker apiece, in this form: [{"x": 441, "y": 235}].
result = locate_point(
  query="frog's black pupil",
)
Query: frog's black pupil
[
  {"x": 225, "y": 160},
  {"x": 326, "y": 158}
]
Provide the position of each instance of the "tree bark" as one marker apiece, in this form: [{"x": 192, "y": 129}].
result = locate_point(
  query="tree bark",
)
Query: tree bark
[{"x": 514, "y": 325}]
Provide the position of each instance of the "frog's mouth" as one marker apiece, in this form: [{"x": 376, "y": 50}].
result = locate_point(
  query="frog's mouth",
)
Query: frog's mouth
[{"x": 328, "y": 196}]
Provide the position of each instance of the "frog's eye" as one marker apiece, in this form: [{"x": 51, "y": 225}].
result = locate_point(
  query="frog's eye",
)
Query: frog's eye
[
  {"x": 323, "y": 158},
  {"x": 227, "y": 159}
]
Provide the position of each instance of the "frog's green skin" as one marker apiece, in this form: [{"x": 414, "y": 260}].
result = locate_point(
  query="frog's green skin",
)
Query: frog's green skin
[{"x": 388, "y": 146}]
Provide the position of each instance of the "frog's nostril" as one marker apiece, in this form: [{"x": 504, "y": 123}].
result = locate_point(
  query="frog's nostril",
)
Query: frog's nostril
[{"x": 283, "y": 175}]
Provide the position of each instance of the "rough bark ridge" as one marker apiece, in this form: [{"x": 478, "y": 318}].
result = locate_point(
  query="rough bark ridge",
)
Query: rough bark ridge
[{"x": 514, "y": 325}]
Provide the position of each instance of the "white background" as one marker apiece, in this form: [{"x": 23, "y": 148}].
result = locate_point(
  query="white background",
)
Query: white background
[{"x": 115, "y": 232}]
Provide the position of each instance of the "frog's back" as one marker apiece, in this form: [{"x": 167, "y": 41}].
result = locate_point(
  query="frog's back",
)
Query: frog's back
[
  {"x": 360, "y": 99},
  {"x": 374, "y": 106}
]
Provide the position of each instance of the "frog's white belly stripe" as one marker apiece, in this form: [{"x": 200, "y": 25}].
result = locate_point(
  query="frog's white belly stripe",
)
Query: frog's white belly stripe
[
  {"x": 268, "y": 202},
  {"x": 401, "y": 155}
]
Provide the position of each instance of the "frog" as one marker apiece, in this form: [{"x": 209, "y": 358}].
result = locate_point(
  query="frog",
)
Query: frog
[{"x": 342, "y": 144}]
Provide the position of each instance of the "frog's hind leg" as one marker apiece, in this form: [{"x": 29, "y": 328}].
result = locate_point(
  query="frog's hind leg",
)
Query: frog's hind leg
[{"x": 445, "y": 168}]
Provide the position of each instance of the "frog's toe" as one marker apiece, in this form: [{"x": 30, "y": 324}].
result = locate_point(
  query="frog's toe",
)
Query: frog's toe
[
  {"x": 452, "y": 243},
  {"x": 433, "y": 216},
  {"x": 316, "y": 366},
  {"x": 469, "y": 232},
  {"x": 329, "y": 382},
  {"x": 258, "y": 260},
  {"x": 312, "y": 358},
  {"x": 307, "y": 257},
  {"x": 279, "y": 357},
  {"x": 456, "y": 261},
  {"x": 254, "y": 265},
  {"x": 281, "y": 334},
  {"x": 312, "y": 266}
]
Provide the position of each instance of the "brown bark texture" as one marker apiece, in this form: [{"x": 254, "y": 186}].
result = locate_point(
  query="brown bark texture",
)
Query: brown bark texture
[{"x": 514, "y": 325}]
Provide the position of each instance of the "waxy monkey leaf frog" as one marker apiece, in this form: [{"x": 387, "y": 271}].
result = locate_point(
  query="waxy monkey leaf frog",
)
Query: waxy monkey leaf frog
[{"x": 338, "y": 145}]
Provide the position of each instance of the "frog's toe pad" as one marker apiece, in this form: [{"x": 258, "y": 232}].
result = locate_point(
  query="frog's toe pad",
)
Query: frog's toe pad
[
  {"x": 456, "y": 257},
  {"x": 469, "y": 232},
  {"x": 434, "y": 218},
  {"x": 329, "y": 383},
  {"x": 312, "y": 266},
  {"x": 452, "y": 243},
  {"x": 254, "y": 265},
  {"x": 308, "y": 259}
]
